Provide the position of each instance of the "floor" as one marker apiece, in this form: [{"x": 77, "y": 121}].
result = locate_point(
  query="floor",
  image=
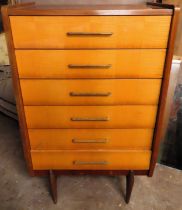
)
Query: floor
[{"x": 18, "y": 191}]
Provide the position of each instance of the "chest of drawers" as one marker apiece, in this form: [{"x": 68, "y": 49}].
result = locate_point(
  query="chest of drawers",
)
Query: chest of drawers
[{"x": 90, "y": 86}]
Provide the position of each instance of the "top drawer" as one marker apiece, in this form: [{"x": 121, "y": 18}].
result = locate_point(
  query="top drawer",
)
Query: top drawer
[{"x": 90, "y": 31}]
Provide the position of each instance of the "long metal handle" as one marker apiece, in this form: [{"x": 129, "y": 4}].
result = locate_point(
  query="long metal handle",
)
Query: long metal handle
[
  {"x": 87, "y": 141},
  {"x": 78, "y": 162},
  {"x": 75, "y": 66},
  {"x": 89, "y": 119},
  {"x": 90, "y": 94},
  {"x": 89, "y": 33}
]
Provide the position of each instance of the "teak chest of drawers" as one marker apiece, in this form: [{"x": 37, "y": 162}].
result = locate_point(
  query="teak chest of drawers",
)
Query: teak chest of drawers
[{"x": 90, "y": 86}]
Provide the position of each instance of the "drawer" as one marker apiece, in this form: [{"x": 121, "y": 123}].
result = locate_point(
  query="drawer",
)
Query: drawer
[
  {"x": 90, "y": 92},
  {"x": 91, "y": 116},
  {"x": 146, "y": 63},
  {"x": 90, "y": 31},
  {"x": 91, "y": 160},
  {"x": 57, "y": 139}
]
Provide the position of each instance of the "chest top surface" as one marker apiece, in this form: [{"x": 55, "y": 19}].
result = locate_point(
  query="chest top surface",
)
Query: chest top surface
[{"x": 140, "y": 9}]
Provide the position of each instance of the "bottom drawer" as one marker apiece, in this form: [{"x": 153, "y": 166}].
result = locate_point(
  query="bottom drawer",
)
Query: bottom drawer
[{"x": 91, "y": 160}]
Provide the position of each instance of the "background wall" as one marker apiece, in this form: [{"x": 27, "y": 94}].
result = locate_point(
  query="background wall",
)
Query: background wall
[{"x": 178, "y": 43}]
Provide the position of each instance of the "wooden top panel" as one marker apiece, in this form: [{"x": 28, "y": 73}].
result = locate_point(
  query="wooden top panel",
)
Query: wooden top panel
[{"x": 141, "y": 9}]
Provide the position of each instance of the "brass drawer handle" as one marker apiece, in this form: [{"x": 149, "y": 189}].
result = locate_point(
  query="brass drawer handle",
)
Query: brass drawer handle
[
  {"x": 75, "y": 66},
  {"x": 89, "y": 33},
  {"x": 90, "y": 94},
  {"x": 88, "y": 141},
  {"x": 89, "y": 119},
  {"x": 78, "y": 162}
]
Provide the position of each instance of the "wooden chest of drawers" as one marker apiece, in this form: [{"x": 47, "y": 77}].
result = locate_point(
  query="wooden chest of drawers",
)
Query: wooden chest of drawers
[{"x": 90, "y": 85}]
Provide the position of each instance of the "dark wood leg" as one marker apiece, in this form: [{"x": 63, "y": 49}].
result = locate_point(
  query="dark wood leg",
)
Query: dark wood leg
[
  {"x": 129, "y": 185},
  {"x": 53, "y": 185}
]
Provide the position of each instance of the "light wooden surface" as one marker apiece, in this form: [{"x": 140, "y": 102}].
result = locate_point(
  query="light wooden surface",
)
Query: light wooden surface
[
  {"x": 69, "y": 159},
  {"x": 118, "y": 116},
  {"x": 128, "y": 31},
  {"x": 146, "y": 63},
  {"x": 103, "y": 92},
  {"x": 57, "y": 139}
]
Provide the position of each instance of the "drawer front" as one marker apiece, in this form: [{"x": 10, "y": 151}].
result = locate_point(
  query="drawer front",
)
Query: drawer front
[
  {"x": 90, "y": 92},
  {"x": 91, "y": 160},
  {"x": 146, "y": 63},
  {"x": 90, "y": 116},
  {"x": 58, "y": 139},
  {"x": 90, "y": 31}
]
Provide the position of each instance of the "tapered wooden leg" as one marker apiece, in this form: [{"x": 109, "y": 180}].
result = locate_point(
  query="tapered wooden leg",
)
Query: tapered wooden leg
[
  {"x": 129, "y": 185},
  {"x": 53, "y": 185}
]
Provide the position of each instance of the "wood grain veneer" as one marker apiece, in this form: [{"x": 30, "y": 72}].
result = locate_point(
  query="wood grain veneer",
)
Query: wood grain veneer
[
  {"x": 127, "y": 32},
  {"x": 54, "y": 63},
  {"x": 90, "y": 92},
  {"x": 134, "y": 116},
  {"x": 52, "y": 139}
]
